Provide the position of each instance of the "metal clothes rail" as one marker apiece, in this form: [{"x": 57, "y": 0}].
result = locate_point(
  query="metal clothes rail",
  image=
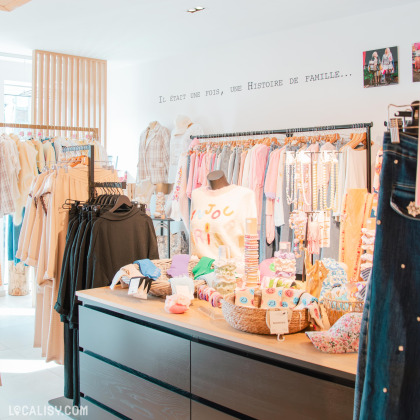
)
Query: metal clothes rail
[
  {"x": 93, "y": 130},
  {"x": 367, "y": 126},
  {"x": 92, "y": 185}
]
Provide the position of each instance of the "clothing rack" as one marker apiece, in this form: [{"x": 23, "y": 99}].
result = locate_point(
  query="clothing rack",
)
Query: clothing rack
[
  {"x": 287, "y": 131},
  {"x": 95, "y": 131},
  {"x": 92, "y": 185}
]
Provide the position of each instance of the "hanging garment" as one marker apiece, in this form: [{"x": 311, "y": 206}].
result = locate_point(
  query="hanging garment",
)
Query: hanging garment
[
  {"x": 179, "y": 207},
  {"x": 42, "y": 241},
  {"x": 179, "y": 143},
  {"x": 218, "y": 218},
  {"x": 270, "y": 188},
  {"x": 257, "y": 174},
  {"x": 153, "y": 160},
  {"x": 280, "y": 199},
  {"x": 389, "y": 366},
  {"x": 356, "y": 210},
  {"x": 97, "y": 243}
]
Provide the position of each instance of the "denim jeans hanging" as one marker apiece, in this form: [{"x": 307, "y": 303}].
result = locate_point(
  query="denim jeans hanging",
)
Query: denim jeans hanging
[{"x": 387, "y": 384}]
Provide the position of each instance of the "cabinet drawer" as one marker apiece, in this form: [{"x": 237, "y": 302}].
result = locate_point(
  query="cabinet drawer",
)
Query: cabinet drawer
[
  {"x": 128, "y": 394},
  {"x": 155, "y": 353},
  {"x": 264, "y": 391},
  {"x": 204, "y": 412},
  {"x": 94, "y": 412}
]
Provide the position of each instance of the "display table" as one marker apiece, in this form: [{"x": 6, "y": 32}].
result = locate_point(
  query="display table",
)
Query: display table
[{"x": 137, "y": 361}]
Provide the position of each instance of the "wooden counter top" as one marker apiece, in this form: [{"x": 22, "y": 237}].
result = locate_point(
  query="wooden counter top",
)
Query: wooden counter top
[{"x": 296, "y": 348}]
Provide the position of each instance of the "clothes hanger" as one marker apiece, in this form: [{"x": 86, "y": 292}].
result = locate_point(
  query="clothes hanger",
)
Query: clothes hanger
[{"x": 122, "y": 203}]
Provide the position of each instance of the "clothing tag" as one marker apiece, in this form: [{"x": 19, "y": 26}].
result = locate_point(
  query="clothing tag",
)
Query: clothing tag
[
  {"x": 284, "y": 246},
  {"x": 183, "y": 290},
  {"x": 278, "y": 321},
  {"x": 134, "y": 285},
  {"x": 394, "y": 129}
]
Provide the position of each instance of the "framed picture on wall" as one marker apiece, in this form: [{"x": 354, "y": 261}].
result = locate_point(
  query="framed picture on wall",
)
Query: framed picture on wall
[
  {"x": 416, "y": 62},
  {"x": 380, "y": 67}
]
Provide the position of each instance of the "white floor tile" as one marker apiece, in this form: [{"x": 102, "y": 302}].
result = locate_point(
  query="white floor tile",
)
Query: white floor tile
[{"x": 27, "y": 379}]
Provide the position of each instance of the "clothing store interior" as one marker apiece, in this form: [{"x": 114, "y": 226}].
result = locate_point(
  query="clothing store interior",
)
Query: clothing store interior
[{"x": 208, "y": 209}]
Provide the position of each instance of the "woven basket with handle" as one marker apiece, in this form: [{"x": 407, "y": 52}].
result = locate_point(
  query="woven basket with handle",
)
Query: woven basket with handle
[
  {"x": 337, "y": 308},
  {"x": 253, "y": 320},
  {"x": 161, "y": 287}
]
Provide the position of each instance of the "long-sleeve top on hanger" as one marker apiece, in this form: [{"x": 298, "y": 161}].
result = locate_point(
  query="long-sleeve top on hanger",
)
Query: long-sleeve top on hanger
[
  {"x": 257, "y": 173},
  {"x": 153, "y": 160},
  {"x": 179, "y": 144}
]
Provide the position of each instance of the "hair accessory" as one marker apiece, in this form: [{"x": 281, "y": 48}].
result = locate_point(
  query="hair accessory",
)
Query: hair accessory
[{"x": 210, "y": 295}]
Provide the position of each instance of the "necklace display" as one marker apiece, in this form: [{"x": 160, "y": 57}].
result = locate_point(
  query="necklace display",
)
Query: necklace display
[
  {"x": 334, "y": 182},
  {"x": 290, "y": 179},
  {"x": 305, "y": 179},
  {"x": 297, "y": 222},
  {"x": 315, "y": 185}
]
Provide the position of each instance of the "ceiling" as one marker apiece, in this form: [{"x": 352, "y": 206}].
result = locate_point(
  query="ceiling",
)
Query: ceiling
[
  {"x": 151, "y": 29},
  {"x": 9, "y": 5}
]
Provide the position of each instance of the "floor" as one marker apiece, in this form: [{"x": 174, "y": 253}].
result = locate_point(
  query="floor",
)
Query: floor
[{"x": 28, "y": 382}]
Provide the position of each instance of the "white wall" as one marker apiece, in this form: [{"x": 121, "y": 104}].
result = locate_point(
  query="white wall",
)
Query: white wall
[{"x": 134, "y": 88}]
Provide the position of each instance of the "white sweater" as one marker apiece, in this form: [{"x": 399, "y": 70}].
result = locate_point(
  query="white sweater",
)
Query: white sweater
[{"x": 218, "y": 218}]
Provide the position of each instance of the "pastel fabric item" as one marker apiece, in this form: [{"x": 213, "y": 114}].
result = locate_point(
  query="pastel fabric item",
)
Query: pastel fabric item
[
  {"x": 224, "y": 159},
  {"x": 268, "y": 281},
  {"x": 257, "y": 174},
  {"x": 241, "y": 168},
  {"x": 293, "y": 299},
  {"x": 342, "y": 337},
  {"x": 179, "y": 265},
  {"x": 148, "y": 269},
  {"x": 236, "y": 167},
  {"x": 191, "y": 175},
  {"x": 130, "y": 271},
  {"x": 271, "y": 298},
  {"x": 231, "y": 166},
  {"x": 203, "y": 267},
  {"x": 177, "y": 304},
  {"x": 245, "y": 297},
  {"x": 179, "y": 143},
  {"x": 270, "y": 187},
  {"x": 209, "y": 278},
  {"x": 337, "y": 275},
  {"x": 179, "y": 207},
  {"x": 247, "y": 163},
  {"x": 268, "y": 267},
  {"x": 178, "y": 282}
]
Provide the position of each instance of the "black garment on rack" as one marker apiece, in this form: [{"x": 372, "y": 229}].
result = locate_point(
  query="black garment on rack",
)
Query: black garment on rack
[
  {"x": 62, "y": 305},
  {"x": 118, "y": 239},
  {"x": 98, "y": 244}
]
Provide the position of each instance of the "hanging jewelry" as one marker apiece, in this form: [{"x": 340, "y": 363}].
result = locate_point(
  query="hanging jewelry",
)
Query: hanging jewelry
[
  {"x": 334, "y": 183},
  {"x": 290, "y": 180},
  {"x": 303, "y": 182},
  {"x": 314, "y": 185}
]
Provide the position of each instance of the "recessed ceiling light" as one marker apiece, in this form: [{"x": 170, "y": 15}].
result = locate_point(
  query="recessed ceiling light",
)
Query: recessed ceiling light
[{"x": 196, "y": 9}]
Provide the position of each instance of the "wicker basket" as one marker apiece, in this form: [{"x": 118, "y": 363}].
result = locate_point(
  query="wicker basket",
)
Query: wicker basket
[
  {"x": 253, "y": 320},
  {"x": 161, "y": 287},
  {"x": 337, "y": 308}
]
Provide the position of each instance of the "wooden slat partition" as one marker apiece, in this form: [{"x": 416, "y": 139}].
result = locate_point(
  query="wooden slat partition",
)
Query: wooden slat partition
[{"x": 69, "y": 91}]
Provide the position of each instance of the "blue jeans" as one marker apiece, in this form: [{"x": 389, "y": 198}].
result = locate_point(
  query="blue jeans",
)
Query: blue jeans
[{"x": 388, "y": 378}]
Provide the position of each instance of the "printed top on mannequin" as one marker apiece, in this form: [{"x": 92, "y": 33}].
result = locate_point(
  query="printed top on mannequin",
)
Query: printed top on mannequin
[
  {"x": 153, "y": 160},
  {"x": 180, "y": 142}
]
